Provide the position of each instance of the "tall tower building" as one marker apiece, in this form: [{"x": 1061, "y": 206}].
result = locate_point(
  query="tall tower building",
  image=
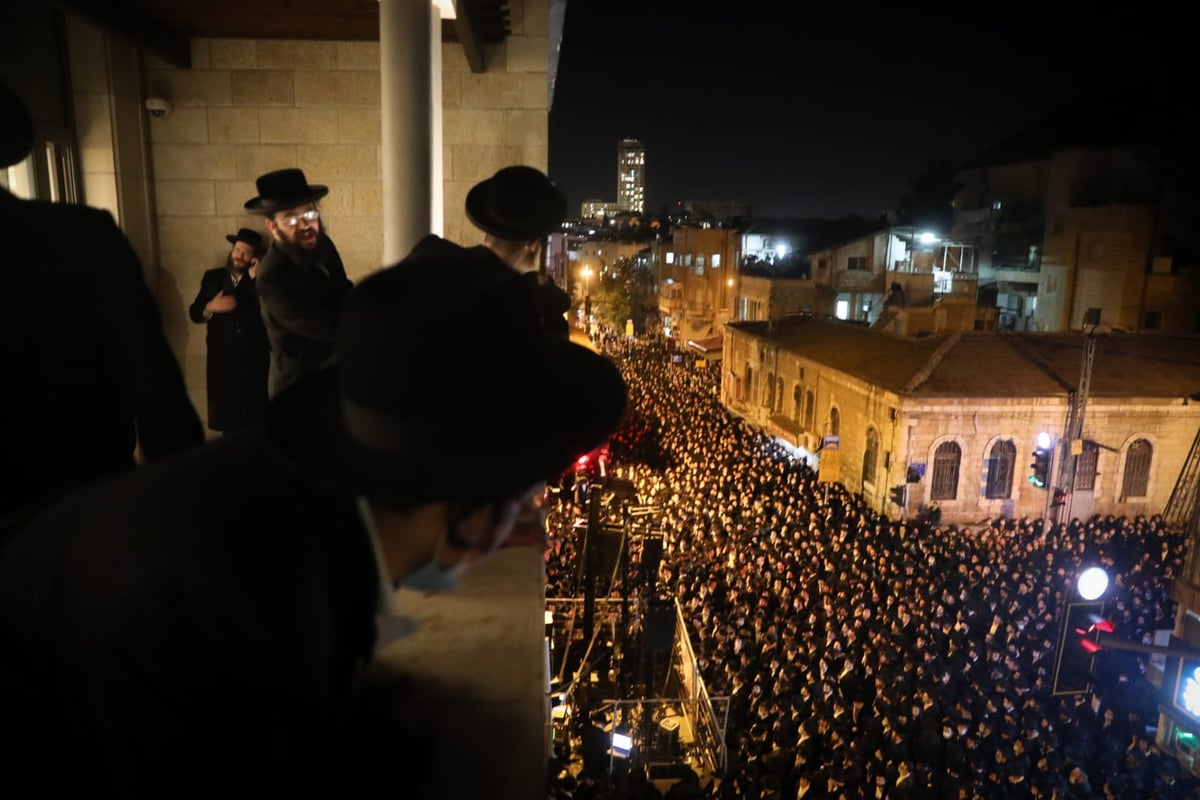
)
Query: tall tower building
[{"x": 631, "y": 175}]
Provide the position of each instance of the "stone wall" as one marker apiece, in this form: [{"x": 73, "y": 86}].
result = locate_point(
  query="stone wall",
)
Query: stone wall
[{"x": 248, "y": 106}]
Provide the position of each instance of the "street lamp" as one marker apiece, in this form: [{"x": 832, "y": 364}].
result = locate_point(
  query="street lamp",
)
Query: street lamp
[{"x": 587, "y": 281}]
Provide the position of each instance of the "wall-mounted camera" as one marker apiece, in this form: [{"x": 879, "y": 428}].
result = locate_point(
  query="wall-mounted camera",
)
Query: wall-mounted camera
[{"x": 158, "y": 106}]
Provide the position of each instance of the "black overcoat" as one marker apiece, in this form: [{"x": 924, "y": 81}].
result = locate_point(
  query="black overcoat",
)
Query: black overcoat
[
  {"x": 185, "y": 629},
  {"x": 238, "y": 354},
  {"x": 300, "y": 294},
  {"x": 88, "y": 375}
]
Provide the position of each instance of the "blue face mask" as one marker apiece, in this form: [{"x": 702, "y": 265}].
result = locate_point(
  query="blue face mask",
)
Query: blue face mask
[{"x": 433, "y": 578}]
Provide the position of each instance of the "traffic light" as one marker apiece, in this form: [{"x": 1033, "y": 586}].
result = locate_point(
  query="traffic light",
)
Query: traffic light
[
  {"x": 897, "y": 495},
  {"x": 1040, "y": 477},
  {"x": 1077, "y": 646}
]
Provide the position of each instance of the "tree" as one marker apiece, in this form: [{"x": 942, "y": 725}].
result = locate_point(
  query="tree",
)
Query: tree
[{"x": 625, "y": 291}]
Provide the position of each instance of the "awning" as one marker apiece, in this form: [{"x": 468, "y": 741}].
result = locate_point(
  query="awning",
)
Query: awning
[{"x": 710, "y": 348}]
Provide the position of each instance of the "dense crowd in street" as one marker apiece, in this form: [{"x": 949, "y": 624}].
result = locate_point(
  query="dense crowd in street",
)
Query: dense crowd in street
[{"x": 868, "y": 657}]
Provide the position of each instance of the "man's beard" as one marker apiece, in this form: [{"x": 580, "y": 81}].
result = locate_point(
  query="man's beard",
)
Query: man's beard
[
  {"x": 232, "y": 266},
  {"x": 295, "y": 239}
]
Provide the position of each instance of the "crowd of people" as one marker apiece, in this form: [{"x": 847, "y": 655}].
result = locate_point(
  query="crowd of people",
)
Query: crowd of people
[{"x": 868, "y": 657}]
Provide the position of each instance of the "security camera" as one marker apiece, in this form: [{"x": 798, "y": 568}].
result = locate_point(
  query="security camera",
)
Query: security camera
[{"x": 158, "y": 106}]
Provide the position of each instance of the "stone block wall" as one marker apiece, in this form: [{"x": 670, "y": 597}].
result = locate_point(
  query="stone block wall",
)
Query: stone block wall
[{"x": 248, "y": 106}]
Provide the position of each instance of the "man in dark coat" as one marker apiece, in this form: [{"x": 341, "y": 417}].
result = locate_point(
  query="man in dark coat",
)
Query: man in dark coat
[
  {"x": 89, "y": 376},
  {"x": 301, "y": 281},
  {"x": 161, "y": 644},
  {"x": 516, "y": 209},
  {"x": 238, "y": 354}
]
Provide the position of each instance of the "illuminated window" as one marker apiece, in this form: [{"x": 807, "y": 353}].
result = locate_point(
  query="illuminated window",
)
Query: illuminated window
[
  {"x": 943, "y": 485},
  {"x": 670, "y": 257},
  {"x": 716, "y": 260},
  {"x": 1137, "y": 469}
]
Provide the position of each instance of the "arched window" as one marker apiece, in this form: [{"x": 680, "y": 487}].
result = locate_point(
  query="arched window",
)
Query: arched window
[
  {"x": 1085, "y": 467},
  {"x": 778, "y": 395},
  {"x": 944, "y": 483},
  {"x": 810, "y": 409},
  {"x": 1000, "y": 464},
  {"x": 870, "y": 457},
  {"x": 749, "y": 382},
  {"x": 1137, "y": 469},
  {"x": 770, "y": 387},
  {"x": 797, "y": 402},
  {"x": 835, "y": 421}
]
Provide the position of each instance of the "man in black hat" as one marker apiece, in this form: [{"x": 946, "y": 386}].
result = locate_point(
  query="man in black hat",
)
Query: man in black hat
[
  {"x": 517, "y": 208},
  {"x": 238, "y": 354},
  {"x": 89, "y": 378},
  {"x": 165, "y": 645},
  {"x": 301, "y": 281}
]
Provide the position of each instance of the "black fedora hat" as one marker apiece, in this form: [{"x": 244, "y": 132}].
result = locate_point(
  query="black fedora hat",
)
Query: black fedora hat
[
  {"x": 282, "y": 189},
  {"x": 16, "y": 127},
  {"x": 415, "y": 410},
  {"x": 518, "y": 203},
  {"x": 247, "y": 235}
]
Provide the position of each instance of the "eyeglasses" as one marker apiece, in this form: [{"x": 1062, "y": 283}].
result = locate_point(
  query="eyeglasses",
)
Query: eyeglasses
[{"x": 292, "y": 220}]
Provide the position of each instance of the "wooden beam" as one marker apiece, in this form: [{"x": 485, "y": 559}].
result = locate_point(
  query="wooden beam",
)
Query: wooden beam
[
  {"x": 467, "y": 27},
  {"x": 168, "y": 44}
]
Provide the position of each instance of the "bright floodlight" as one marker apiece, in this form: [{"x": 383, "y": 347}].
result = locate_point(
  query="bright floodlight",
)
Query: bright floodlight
[
  {"x": 1043, "y": 440},
  {"x": 781, "y": 250},
  {"x": 1092, "y": 583},
  {"x": 927, "y": 238}
]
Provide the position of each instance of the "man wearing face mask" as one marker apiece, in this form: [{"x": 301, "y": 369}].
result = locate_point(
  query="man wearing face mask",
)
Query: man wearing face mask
[{"x": 170, "y": 646}]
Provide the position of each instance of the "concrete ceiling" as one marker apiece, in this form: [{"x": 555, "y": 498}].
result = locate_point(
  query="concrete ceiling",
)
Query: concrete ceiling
[{"x": 164, "y": 27}]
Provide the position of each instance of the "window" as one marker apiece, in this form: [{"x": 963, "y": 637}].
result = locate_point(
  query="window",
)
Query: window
[
  {"x": 1000, "y": 470},
  {"x": 835, "y": 421},
  {"x": 856, "y": 263},
  {"x": 670, "y": 257},
  {"x": 1152, "y": 321},
  {"x": 943, "y": 485},
  {"x": 716, "y": 260},
  {"x": 778, "y": 395},
  {"x": 822, "y": 264},
  {"x": 1137, "y": 469},
  {"x": 1085, "y": 468},
  {"x": 770, "y": 387},
  {"x": 810, "y": 403},
  {"x": 749, "y": 382},
  {"x": 870, "y": 457},
  {"x": 687, "y": 259}
]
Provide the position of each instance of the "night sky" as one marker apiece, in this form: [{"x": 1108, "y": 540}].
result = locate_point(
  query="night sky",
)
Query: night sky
[{"x": 804, "y": 111}]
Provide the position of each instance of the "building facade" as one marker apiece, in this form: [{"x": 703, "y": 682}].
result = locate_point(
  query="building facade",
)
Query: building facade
[
  {"x": 631, "y": 176},
  {"x": 1064, "y": 230},
  {"x": 962, "y": 413}
]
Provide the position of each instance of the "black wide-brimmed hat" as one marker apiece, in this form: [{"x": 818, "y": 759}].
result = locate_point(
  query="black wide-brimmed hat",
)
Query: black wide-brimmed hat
[
  {"x": 518, "y": 203},
  {"x": 283, "y": 189},
  {"x": 16, "y": 127},
  {"x": 446, "y": 387},
  {"x": 247, "y": 235}
]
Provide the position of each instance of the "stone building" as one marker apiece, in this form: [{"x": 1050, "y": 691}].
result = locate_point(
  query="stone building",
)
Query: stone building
[{"x": 962, "y": 413}]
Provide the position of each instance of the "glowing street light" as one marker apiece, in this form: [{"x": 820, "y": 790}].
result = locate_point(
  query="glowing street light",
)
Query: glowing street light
[
  {"x": 1092, "y": 583},
  {"x": 587, "y": 281}
]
